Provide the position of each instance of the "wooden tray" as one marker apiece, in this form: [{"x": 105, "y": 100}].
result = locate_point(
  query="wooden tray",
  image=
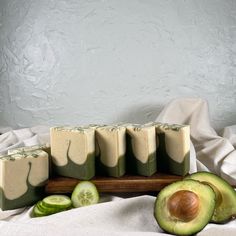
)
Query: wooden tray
[{"x": 126, "y": 183}]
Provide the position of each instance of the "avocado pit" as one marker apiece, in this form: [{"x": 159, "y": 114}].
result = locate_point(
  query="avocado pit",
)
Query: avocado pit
[{"x": 183, "y": 205}]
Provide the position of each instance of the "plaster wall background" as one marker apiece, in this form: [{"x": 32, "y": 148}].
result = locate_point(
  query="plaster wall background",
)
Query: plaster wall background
[{"x": 105, "y": 61}]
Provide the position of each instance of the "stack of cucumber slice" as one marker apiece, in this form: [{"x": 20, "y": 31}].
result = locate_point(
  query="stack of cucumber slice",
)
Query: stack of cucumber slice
[
  {"x": 85, "y": 193},
  {"x": 52, "y": 204}
]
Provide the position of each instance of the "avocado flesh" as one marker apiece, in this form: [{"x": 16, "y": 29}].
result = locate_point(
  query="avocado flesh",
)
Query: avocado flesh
[
  {"x": 170, "y": 223},
  {"x": 225, "y": 196}
]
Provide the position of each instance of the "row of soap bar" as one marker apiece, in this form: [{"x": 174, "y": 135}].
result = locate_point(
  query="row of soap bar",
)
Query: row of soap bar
[{"x": 80, "y": 152}]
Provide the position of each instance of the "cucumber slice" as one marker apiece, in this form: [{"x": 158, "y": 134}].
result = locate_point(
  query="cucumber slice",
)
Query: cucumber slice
[
  {"x": 37, "y": 212},
  {"x": 59, "y": 202},
  {"x": 84, "y": 194}
]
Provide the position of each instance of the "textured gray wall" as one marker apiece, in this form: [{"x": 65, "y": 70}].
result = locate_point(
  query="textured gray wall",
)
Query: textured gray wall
[{"x": 82, "y": 61}]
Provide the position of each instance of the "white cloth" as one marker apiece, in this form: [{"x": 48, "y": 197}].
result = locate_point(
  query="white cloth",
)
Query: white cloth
[
  {"x": 128, "y": 216},
  {"x": 23, "y": 137},
  {"x": 131, "y": 216}
]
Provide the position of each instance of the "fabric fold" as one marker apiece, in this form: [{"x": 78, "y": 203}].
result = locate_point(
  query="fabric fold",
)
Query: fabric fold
[{"x": 23, "y": 137}]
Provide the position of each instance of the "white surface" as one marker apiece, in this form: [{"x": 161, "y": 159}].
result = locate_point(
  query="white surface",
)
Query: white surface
[
  {"x": 80, "y": 61},
  {"x": 133, "y": 216}
]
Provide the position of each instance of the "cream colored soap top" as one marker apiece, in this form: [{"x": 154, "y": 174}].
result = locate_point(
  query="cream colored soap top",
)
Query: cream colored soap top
[
  {"x": 92, "y": 126},
  {"x": 165, "y": 126},
  {"x": 112, "y": 128},
  {"x": 76, "y": 142},
  {"x": 15, "y": 168},
  {"x": 111, "y": 140},
  {"x": 95, "y": 125},
  {"x": 80, "y": 129},
  {"x": 177, "y": 139},
  {"x": 28, "y": 148},
  {"x": 143, "y": 141},
  {"x": 23, "y": 154}
]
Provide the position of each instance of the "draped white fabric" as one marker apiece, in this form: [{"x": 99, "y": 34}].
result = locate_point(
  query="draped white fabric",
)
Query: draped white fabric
[
  {"x": 22, "y": 137},
  {"x": 128, "y": 215}
]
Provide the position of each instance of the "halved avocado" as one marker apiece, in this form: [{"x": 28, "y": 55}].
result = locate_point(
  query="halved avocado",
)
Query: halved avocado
[
  {"x": 184, "y": 207},
  {"x": 225, "y": 196}
]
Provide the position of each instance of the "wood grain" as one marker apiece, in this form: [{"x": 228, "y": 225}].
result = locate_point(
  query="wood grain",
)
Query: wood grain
[{"x": 123, "y": 184}]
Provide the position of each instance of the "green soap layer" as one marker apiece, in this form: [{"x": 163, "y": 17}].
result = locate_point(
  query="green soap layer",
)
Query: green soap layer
[
  {"x": 116, "y": 171},
  {"x": 135, "y": 166},
  {"x": 85, "y": 171},
  {"x": 166, "y": 164},
  {"x": 30, "y": 197}
]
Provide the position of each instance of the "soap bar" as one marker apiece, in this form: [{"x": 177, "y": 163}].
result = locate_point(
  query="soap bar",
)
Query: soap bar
[
  {"x": 73, "y": 151},
  {"x": 141, "y": 149},
  {"x": 112, "y": 144},
  {"x": 173, "y": 148},
  {"x": 22, "y": 178},
  {"x": 44, "y": 147}
]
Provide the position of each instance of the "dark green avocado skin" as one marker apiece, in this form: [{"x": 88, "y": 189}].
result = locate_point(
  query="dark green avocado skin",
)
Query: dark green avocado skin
[{"x": 226, "y": 209}]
